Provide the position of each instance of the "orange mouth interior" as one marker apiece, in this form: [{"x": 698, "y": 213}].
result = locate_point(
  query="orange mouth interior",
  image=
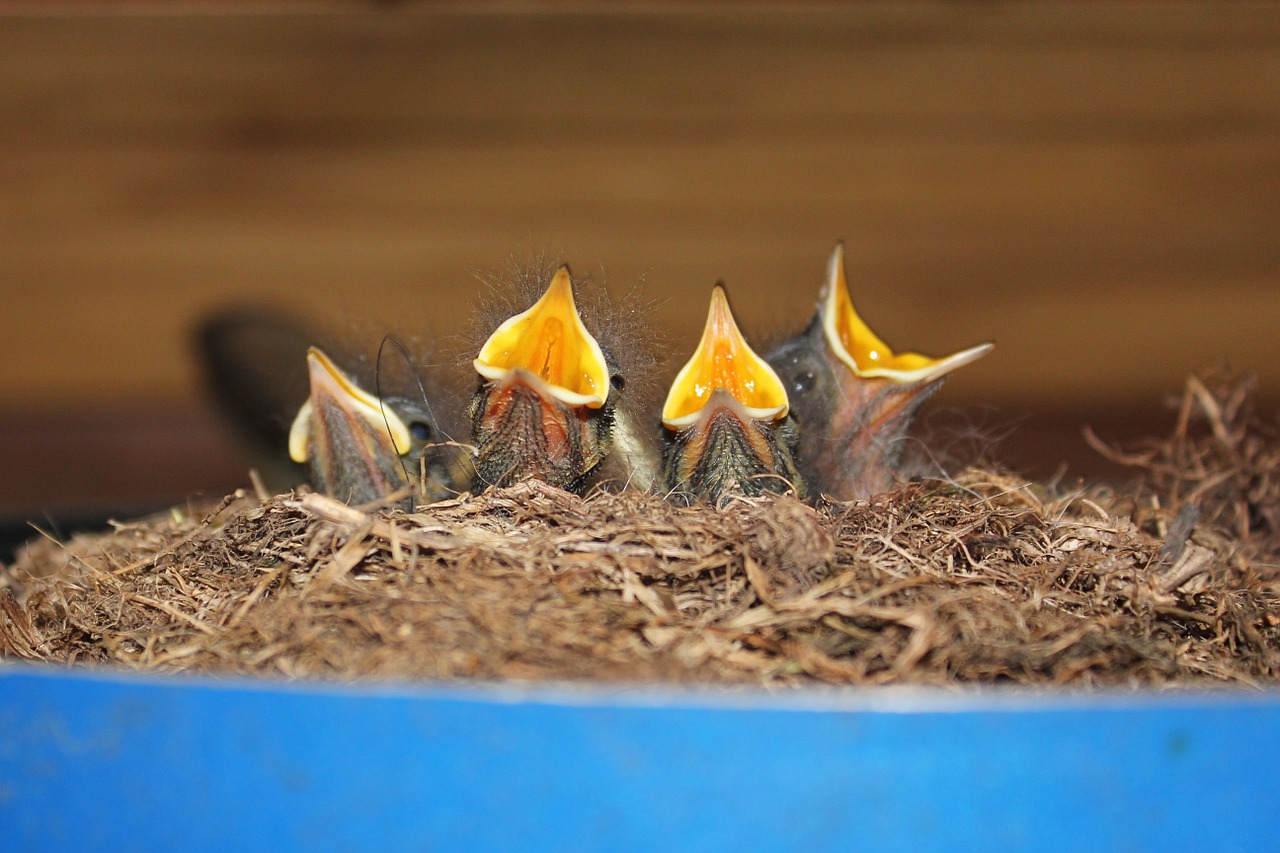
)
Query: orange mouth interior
[
  {"x": 550, "y": 342},
  {"x": 853, "y": 342},
  {"x": 723, "y": 359}
]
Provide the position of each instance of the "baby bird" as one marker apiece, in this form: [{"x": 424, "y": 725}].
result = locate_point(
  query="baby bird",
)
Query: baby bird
[
  {"x": 362, "y": 448},
  {"x": 548, "y": 405},
  {"x": 727, "y": 413},
  {"x": 853, "y": 396},
  {"x": 352, "y": 440},
  {"x": 291, "y": 401}
]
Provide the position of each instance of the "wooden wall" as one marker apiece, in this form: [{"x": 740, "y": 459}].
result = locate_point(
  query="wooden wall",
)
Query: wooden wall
[{"x": 1092, "y": 186}]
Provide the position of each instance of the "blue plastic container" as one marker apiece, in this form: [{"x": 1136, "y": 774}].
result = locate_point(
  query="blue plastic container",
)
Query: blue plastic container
[{"x": 92, "y": 761}]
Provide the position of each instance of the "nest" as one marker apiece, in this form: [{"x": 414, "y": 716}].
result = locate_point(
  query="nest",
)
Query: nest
[{"x": 982, "y": 578}]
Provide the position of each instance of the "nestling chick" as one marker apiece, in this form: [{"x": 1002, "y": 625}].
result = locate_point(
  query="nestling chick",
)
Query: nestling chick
[
  {"x": 352, "y": 440},
  {"x": 293, "y": 402},
  {"x": 853, "y": 396},
  {"x": 362, "y": 448},
  {"x": 727, "y": 413},
  {"x": 549, "y": 405}
]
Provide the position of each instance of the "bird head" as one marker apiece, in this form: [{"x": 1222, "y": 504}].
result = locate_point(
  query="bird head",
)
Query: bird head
[
  {"x": 727, "y": 417},
  {"x": 255, "y": 360},
  {"x": 361, "y": 448},
  {"x": 854, "y": 396},
  {"x": 544, "y": 407},
  {"x": 352, "y": 440}
]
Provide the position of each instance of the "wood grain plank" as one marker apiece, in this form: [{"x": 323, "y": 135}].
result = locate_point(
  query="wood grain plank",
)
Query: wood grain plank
[
  {"x": 1093, "y": 187},
  {"x": 895, "y": 70}
]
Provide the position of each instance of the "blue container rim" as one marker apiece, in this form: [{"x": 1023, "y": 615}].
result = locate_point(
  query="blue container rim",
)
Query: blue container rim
[
  {"x": 894, "y": 698},
  {"x": 107, "y": 759}
]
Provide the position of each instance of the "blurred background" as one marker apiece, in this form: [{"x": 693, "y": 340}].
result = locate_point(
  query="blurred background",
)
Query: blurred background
[{"x": 1094, "y": 187}]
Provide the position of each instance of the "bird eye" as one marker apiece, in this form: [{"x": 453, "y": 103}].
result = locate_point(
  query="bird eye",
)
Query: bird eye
[
  {"x": 618, "y": 381},
  {"x": 803, "y": 382},
  {"x": 420, "y": 430}
]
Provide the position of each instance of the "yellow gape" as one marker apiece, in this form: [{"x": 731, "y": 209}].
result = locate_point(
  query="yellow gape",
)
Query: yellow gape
[
  {"x": 866, "y": 355},
  {"x": 550, "y": 342},
  {"x": 724, "y": 360}
]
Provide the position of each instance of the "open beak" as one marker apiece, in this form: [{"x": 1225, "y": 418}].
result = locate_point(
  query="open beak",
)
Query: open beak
[
  {"x": 542, "y": 410},
  {"x": 550, "y": 345},
  {"x": 725, "y": 361},
  {"x": 860, "y": 395},
  {"x": 853, "y": 342},
  {"x": 352, "y": 441},
  {"x": 728, "y": 411}
]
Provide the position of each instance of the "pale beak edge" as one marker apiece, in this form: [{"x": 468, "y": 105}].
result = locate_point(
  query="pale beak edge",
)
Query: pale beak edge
[
  {"x": 724, "y": 360},
  {"x": 327, "y": 381},
  {"x": 853, "y": 342},
  {"x": 550, "y": 342}
]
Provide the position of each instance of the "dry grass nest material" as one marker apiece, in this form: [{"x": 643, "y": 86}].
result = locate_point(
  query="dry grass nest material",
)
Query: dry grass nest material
[{"x": 984, "y": 578}]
